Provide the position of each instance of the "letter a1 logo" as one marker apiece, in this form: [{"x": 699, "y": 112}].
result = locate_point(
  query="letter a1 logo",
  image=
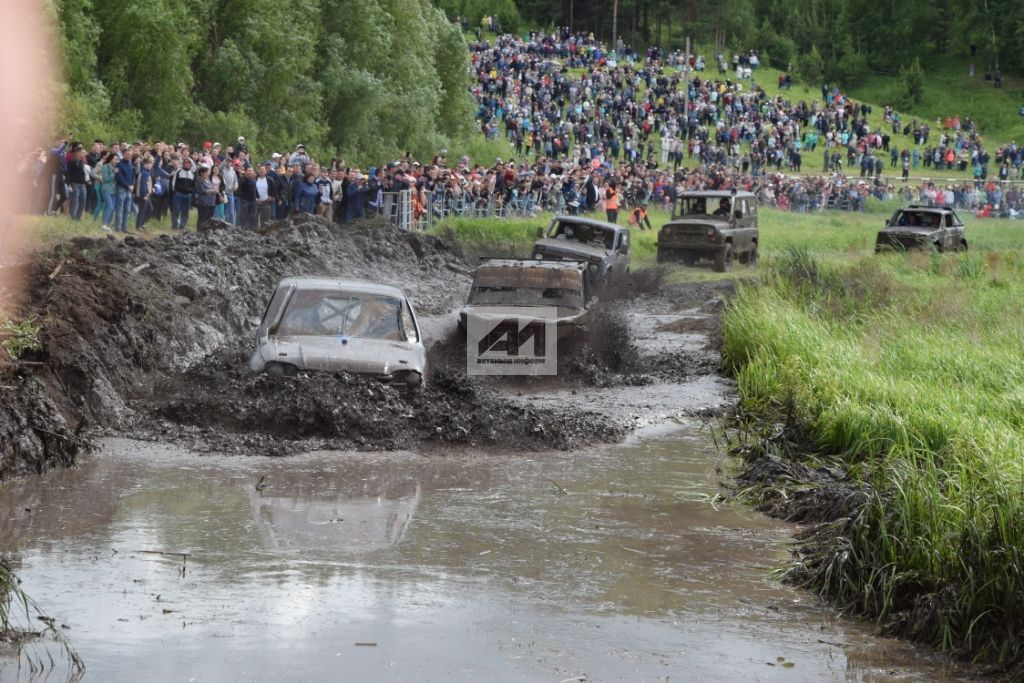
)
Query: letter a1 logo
[{"x": 506, "y": 340}]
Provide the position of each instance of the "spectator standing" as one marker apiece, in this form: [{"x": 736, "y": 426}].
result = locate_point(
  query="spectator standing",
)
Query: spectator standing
[
  {"x": 229, "y": 173},
  {"x": 206, "y": 195},
  {"x": 306, "y": 194},
  {"x": 77, "y": 180},
  {"x": 611, "y": 202},
  {"x": 265, "y": 196},
  {"x": 124, "y": 177},
  {"x": 183, "y": 185},
  {"x": 144, "y": 193}
]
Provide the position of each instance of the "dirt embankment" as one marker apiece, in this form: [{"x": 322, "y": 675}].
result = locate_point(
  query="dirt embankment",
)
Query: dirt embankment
[{"x": 151, "y": 337}]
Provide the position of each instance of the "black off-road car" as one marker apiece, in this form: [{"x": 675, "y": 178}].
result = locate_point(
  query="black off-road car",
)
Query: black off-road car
[
  {"x": 928, "y": 227},
  {"x": 716, "y": 225}
]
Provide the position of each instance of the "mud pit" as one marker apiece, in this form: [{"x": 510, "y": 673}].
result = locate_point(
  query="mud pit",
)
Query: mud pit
[
  {"x": 613, "y": 563},
  {"x": 150, "y": 338}
]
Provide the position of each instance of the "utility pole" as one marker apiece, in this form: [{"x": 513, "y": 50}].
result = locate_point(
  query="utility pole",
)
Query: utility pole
[
  {"x": 686, "y": 89},
  {"x": 615, "y": 27}
]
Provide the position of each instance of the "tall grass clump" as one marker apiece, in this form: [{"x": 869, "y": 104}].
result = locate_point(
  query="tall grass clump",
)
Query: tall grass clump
[
  {"x": 909, "y": 369},
  {"x": 17, "y": 626}
]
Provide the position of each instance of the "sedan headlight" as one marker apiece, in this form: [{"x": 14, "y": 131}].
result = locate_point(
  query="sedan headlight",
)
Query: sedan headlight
[
  {"x": 711, "y": 232},
  {"x": 668, "y": 232},
  {"x": 592, "y": 267},
  {"x": 537, "y": 255}
]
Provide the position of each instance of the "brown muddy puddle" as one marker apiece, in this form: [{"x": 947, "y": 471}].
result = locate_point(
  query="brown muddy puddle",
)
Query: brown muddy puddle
[{"x": 612, "y": 564}]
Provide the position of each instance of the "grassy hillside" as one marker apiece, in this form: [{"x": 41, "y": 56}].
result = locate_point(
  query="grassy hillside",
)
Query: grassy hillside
[{"x": 948, "y": 90}]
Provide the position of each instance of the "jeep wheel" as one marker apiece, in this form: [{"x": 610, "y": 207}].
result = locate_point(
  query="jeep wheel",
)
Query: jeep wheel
[
  {"x": 962, "y": 246},
  {"x": 723, "y": 259},
  {"x": 752, "y": 256}
]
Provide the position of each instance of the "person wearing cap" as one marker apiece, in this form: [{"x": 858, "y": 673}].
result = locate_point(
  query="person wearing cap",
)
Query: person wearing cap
[
  {"x": 299, "y": 156},
  {"x": 639, "y": 218},
  {"x": 240, "y": 145}
]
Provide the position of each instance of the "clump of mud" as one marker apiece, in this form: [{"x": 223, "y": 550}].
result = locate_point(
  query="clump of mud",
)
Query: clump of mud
[{"x": 325, "y": 410}]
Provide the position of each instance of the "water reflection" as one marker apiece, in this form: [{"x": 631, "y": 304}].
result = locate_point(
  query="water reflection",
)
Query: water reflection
[
  {"x": 609, "y": 563},
  {"x": 291, "y": 518}
]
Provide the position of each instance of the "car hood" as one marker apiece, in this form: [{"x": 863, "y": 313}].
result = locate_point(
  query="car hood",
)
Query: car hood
[
  {"x": 567, "y": 248},
  {"x": 698, "y": 222},
  {"x": 351, "y": 354}
]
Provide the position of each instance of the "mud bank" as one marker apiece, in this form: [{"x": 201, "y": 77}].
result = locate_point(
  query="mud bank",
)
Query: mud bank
[{"x": 150, "y": 337}]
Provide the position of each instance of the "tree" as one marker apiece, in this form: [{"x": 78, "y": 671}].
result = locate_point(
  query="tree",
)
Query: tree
[{"x": 810, "y": 66}]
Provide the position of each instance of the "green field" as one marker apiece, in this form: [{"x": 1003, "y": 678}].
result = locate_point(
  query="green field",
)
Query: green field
[{"x": 905, "y": 370}]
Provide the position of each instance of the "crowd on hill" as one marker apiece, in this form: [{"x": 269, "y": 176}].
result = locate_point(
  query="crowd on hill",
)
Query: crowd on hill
[
  {"x": 564, "y": 93},
  {"x": 591, "y": 130}
]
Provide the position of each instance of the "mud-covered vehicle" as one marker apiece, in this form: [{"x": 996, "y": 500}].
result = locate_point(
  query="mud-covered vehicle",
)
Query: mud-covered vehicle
[
  {"x": 717, "y": 226},
  {"x": 316, "y": 323},
  {"x": 524, "y": 284},
  {"x": 604, "y": 247},
  {"x": 922, "y": 227}
]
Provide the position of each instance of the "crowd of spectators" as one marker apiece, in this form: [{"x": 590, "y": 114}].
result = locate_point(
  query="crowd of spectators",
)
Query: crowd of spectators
[{"x": 587, "y": 127}]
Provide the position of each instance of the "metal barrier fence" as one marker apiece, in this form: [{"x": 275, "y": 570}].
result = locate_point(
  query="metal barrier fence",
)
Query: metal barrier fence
[{"x": 412, "y": 210}]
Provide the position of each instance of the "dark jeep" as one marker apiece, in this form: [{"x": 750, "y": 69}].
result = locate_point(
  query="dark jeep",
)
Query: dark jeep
[
  {"x": 604, "y": 247},
  {"x": 929, "y": 227},
  {"x": 719, "y": 226}
]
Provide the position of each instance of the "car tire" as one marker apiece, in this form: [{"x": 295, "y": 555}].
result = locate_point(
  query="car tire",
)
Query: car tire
[
  {"x": 962, "y": 246},
  {"x": 723, "y": 260},
  {"x": 752, "y": 256}
]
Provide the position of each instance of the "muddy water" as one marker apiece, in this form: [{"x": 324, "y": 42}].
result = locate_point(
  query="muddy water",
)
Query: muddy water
[{"x": 612, "y": 564}]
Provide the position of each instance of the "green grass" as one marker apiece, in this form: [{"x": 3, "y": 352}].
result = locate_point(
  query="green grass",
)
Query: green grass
[
  {"x": 908, "y": 369},
  {"x": 45, "y": 231}
]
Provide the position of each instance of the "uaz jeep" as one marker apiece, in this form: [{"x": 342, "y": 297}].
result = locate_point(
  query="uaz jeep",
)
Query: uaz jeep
[{"x": 718, "y": 226}]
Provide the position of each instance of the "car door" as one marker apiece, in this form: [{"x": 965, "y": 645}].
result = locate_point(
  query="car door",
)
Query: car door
[
  {"x": 949, "y": 240},
  {"x": 741, "y": 241},
  {"x": 622, "y": 256}
]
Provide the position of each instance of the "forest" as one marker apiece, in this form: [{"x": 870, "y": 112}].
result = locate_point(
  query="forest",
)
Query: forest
[{"x": 366, "y": 79}]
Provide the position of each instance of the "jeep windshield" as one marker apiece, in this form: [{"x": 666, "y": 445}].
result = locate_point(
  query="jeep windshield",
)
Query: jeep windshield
[
  {"x": 916, "y": 219},
  {"x": 497, "y": 286},
  {"x": 694, "y": 206},
  {"x": 590, "y": 235},
  {"x": 334, "y": 313}
]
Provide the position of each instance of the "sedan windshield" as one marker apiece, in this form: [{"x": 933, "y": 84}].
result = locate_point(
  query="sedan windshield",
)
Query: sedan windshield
[{"x": 346, "y": 314}]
